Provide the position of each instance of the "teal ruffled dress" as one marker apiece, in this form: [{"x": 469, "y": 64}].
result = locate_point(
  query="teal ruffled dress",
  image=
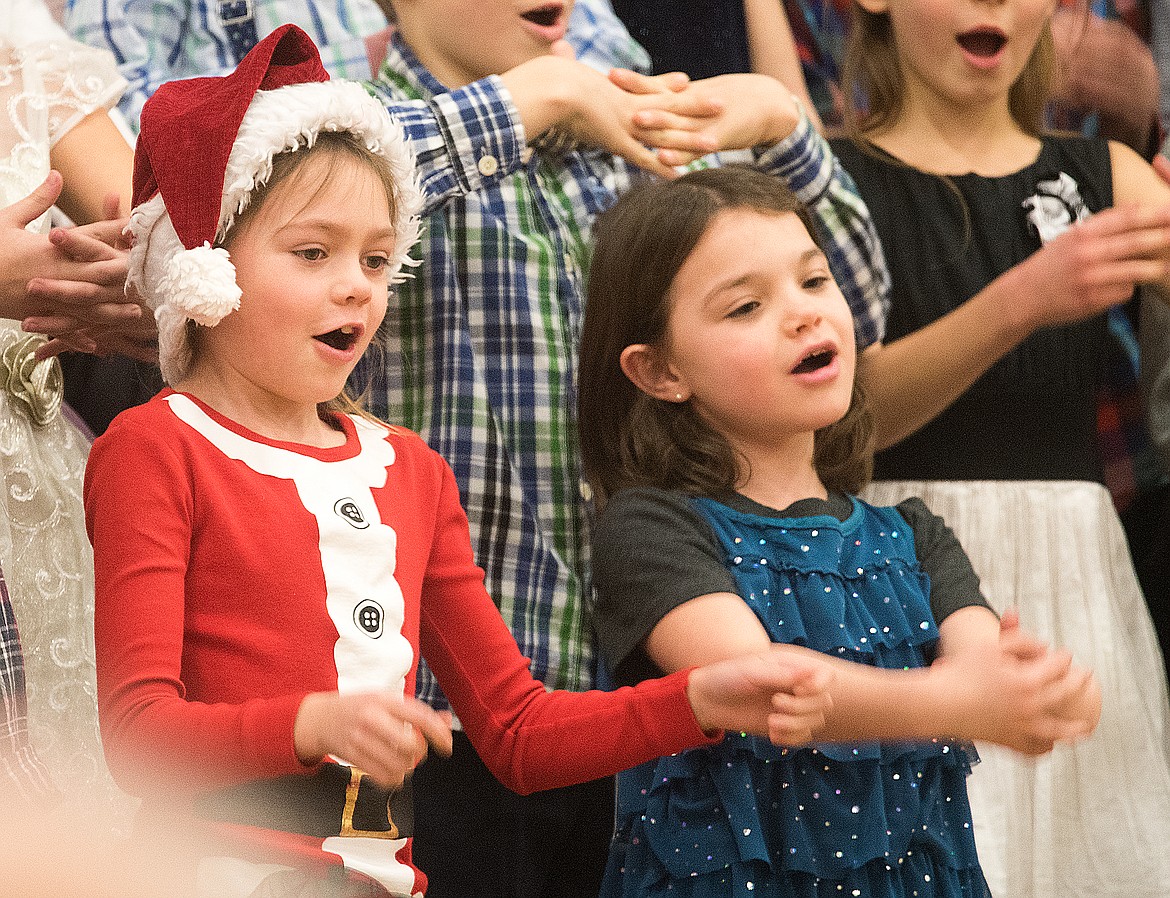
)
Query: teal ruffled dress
[{"x": 869, "y": 820}]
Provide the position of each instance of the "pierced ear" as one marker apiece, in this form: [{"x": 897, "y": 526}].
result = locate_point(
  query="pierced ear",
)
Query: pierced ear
[{"x": 650, "y": 373}]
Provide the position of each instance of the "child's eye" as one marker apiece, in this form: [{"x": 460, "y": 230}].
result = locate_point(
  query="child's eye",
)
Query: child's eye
[
  {"x": 816, "y": 281},
  {"x": 377, "y": 263},
  {"x": 744, "y": 308},
  {"x": 310, "y": 254}
]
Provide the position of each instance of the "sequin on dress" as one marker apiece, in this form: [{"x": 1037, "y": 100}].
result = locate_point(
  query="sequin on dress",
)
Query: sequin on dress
[{"x": 866, "y": 820}]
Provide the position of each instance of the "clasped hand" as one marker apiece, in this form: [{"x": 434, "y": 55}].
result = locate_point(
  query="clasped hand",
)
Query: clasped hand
[{"x": 70, "y": 284}]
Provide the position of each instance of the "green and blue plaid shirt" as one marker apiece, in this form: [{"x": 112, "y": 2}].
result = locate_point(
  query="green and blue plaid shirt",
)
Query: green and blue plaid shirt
[
  {"x": 162, "y": 40},
  {"x": 480, "y": 346}
]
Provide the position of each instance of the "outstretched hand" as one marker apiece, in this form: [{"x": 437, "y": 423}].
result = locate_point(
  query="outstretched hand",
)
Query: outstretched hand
[
  {"x": 1022, "y": 694},
  {"x": 772, "y": 694},
  {"x": 381, "y": 733}
]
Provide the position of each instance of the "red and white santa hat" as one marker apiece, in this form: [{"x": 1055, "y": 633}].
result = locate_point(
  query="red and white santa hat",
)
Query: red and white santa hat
[{"x": 206, "y": 143}]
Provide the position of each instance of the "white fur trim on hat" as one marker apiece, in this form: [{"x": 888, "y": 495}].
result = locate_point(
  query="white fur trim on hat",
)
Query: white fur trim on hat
[{"x": 198, "y": 284}]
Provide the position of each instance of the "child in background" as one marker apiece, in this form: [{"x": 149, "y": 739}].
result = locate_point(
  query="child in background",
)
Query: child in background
[
  {"x": 1005, "y": 255},
  {"x": 723, "y": 433},
  {"x": 268, "y": 566}
]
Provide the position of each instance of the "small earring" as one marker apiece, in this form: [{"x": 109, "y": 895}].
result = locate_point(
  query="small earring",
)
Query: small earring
[{"x": 678, "y": 397}]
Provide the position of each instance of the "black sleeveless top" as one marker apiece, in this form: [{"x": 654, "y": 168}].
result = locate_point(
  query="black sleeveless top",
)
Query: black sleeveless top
[{"x": 1032, "y": 415}]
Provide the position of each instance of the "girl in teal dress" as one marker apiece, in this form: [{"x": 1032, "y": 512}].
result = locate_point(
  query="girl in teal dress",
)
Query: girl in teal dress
[{"x": 724, "y": 436}]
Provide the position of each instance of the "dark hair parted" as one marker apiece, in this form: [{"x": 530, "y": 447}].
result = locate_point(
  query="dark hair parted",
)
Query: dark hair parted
[
  {"x": 873, "y": 84},
  {"x": 629, "y": 438}
]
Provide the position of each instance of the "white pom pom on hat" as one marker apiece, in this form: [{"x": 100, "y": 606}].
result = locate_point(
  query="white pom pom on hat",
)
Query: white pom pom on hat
[{"x": 207, "y": 143}]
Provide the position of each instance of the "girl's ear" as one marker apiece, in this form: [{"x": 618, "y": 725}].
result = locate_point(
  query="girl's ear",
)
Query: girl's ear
[{"x": 651, "y": 374}]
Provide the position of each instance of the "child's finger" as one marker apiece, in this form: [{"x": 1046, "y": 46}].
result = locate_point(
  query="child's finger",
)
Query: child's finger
[
  {"x": 433, "y": 727},
  {"x": 637, "y": 83},
  {"x": 802, "y": 705},
  {"x": 84, "y": 247},
  {"x": 111, "y": 207},
  {"x": 1117, "y": 278},
  {"x": 1009, "y": 620},
  {"x": 645, "y": 158}
]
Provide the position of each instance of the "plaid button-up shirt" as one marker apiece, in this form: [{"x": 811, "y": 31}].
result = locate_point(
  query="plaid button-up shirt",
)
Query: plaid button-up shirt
[
  {"x": 480, "y": 346},
  {"x": 161, "y": 40}
]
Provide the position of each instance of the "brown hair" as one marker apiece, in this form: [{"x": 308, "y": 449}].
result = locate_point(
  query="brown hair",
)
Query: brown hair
[
  {"x": 872, "y": 79},
  {"x": 333, "y": 147},
  {"x": 629, "y": 438}
]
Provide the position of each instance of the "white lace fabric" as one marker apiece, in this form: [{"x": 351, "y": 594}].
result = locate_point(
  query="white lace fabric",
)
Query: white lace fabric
[{"x": 47, "y": 85}]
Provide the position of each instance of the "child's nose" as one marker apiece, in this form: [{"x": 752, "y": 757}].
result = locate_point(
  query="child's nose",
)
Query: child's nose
[
  {"x": 802, "y": 316},
  {"x": 353, "y": 284}
]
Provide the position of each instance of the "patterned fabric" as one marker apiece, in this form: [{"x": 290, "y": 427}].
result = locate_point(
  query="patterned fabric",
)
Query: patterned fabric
[
  {"x": 48, "y": 84},
  {"x": 480, "y": 347},
  {"x": 821, "y": 30},
  {"x": 871, "y": 819},
  {"x": 21, "y": 772},
  {"x": 600, "y": 39},
  {"x": 160, "y": 40}
]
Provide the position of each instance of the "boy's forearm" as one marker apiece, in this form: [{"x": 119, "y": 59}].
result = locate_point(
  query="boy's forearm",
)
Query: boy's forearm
[{"x": 541, "y": 99}]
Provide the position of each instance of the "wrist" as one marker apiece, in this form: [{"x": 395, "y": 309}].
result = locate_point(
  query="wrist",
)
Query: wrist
[
  {"x": 542, "y": 91},
  {"x": 1012, "y": 307},
  {"x": 696, "y": 699},
  {"x": 307, "y": 730}
]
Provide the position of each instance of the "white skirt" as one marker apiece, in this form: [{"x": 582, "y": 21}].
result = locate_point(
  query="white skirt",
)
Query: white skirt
[{"x": 1090, "y": 820}]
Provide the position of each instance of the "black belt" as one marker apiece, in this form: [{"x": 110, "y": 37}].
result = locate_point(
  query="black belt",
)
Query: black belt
[{"x": 334, "y": 801}]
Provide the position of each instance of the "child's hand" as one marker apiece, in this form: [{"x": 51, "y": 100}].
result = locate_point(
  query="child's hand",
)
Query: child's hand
[
  {"x": 771, "y": 694},
  {"x": 1093, "y": 265},
  {"x": 1026, "y": 703},
  {"x": 555, "y": 92},
  {"x": 1083, "y": 706},
  {"x": 752, "y": 110},
  {"x": 382, "y": 733}
]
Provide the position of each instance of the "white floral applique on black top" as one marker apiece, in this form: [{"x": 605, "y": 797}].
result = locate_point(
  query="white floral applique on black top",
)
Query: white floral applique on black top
[{"x": 1055, "y": 206}]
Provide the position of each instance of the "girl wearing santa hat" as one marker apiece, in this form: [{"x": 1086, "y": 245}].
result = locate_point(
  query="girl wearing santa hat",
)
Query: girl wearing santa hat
[{"x": 270, "y": 563}]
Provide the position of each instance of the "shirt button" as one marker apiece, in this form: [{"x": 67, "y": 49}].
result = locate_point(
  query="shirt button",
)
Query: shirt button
[
  {"x": 586, "y": 491},
  {"x": 488, "y": 165}
]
